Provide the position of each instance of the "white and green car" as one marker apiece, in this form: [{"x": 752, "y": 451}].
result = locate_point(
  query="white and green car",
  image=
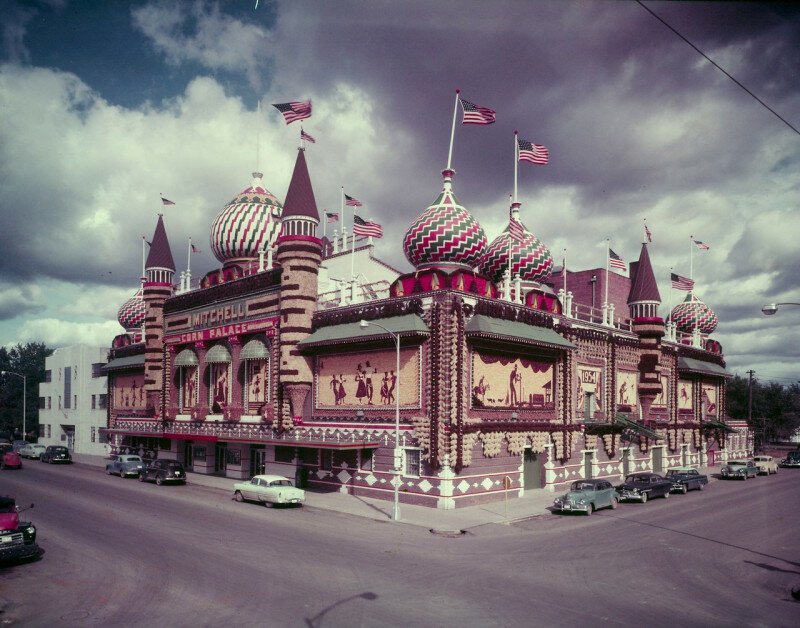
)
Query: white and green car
[{"x": 586, "y": 496}]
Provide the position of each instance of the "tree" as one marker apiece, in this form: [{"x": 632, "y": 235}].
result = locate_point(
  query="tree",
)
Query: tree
[
  {"x": 775, "y": 411},
  {"x": 26, "y": 360}
]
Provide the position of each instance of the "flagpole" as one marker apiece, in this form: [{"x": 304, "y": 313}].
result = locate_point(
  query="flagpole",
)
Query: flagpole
[
  {"x": 669, "y": 307},
  {"x": 510, "y": 240},
  {"x": 324, "y": 222},
  {"x": 453, "y": 131},
  {"x": 258, "y": 136},
  {"x": 564, "y": 270},
  {"x": 189, "y": 262},
  {"x": 143, "y": 262},
  {"x": 353, "y": 246},
  {"x": 516, "y": 164},
  {"x": 608, "y": 256},
  {"x": 691, "y": 258}
]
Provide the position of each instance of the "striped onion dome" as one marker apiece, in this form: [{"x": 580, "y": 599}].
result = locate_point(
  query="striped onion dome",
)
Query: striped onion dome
[
  {"x": 445, "y": 234},
  {"x": 131, "y": 314},
  {"x": 693, "y": 313},
  {"x": 247, "y": 225},
  {"x": 530, "y": 259}
]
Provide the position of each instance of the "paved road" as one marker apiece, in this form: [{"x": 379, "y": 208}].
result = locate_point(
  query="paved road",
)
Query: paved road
[{"x": 121, "y": 552}]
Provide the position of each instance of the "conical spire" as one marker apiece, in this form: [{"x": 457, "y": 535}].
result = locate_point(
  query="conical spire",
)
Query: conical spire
[
  {"x": 643, "y": 282},
  {"x": 160, "y": 255},
  {"x": 300, "y": 201}
]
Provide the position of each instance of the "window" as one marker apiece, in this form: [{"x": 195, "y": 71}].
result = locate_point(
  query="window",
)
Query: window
[
  {"x": 75, "y": 402},
  {"x": 96, "y": 372},
  {"x": 49, "y": 432},
  {"x": 187, "y": 376},
  {"x": 67, "y": 387},
  {"x": 59, "y": 402},
  {"x": 42, "y": 403},
  {"x": 94, "y": 405},
  {"x": 257, "y": 391},
  {"x": 365, "y": 459},
  {"x": 102, "y": 401},
  {"x": 48, "y": 375},
  {"x": 411, "y": 462},
  {"x": 325, "y": 459},
  {"x": 49, "y": 403},
  {"x": 284, "y": 454},
  {"x": 94, "y": 431}
]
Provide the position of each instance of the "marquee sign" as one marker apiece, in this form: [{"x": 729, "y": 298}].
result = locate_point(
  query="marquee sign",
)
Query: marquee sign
[{"x": 265, "y": 325}]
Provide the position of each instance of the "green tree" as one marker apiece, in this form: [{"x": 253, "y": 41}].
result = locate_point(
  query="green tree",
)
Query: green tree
[
  {"x": 26, "y": 360},
  {"x": 775, "y": 412}
]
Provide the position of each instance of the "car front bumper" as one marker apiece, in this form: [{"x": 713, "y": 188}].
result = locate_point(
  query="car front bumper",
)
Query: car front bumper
[
  {"x": 18, "y": 551},
  {"x": 570, "y": 507},
  {"x": 625, "y": 495}
]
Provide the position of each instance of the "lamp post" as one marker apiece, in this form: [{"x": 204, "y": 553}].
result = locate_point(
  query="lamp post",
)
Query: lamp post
[
  {"x": 24, "y": 395},
  {"x": 397, "y": 452},
  {"x": 771, "y": 308}
]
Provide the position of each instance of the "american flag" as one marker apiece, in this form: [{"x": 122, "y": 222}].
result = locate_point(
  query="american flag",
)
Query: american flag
[
  {"x": 648, "y": 234},
  {"x": 332, "y": 216},
  {"x": 475, "y": 114},
  {"x": 195, "y": 249},
  {"x": 363, "y": 227},
  {"x": 351, "y": 202},
  {"x": 702, "y": 245},
  {"x": 534, "y": 153},
  {"x": 682, "y": 283},
  {"x": 516, "y": 230},
  {"x": 293, "y": 111},
  {"x": 305, "y": 136},
  {"x": 615, "y": 261},
  {"x": 166, "y": 201}
]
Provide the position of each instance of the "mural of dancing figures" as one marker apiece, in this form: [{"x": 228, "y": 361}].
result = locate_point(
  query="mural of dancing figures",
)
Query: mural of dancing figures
[
  {"x": 129, "y": 392},
  {"x": 660, "y": 400},
  {"x": 368, "y": 380},
  {"x": 507, "y": 382},
  {"x": 685, "y": 395},
  {"x": 709, "y": 393}
]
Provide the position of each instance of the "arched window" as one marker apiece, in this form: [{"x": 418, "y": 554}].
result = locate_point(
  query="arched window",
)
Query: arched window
[
  {"x": 256, "y": 391},
  {"x": 218, "y": 360},
  {"x": 186, "y": 365}
]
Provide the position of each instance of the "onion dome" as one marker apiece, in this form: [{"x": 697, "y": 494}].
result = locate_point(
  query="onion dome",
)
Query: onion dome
[
  {"x": 445, "y": 234},
  {"x": 530, "y": 259},
  {"x": 694, "y": 314},
  {"x": 247, "y": 225},
  {"x": 131, "y": 314}
]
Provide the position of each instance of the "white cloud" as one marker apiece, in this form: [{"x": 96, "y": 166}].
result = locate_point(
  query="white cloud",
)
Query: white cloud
[{"x": 55, "y": 332}]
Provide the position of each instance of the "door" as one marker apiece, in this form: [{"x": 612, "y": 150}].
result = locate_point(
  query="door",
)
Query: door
[
  {"x": 258, "y": 460},
  {"x": 626, "y": 462},
  {"x": 531, "y": 470},
  {"x": 188, "y": 458},
  {"x": 71, "y": 440},
  {"x": 220, "y": 453},
  {"x": 658, "y": 459},
  {"x": 587, "y": 464}
]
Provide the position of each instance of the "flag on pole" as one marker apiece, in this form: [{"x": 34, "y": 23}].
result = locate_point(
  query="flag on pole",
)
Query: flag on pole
[
  {"x": 363, "y": 227},
  {"x": 534, "y": 153},
  {"x": 682, "y": 283},
  {"x": 702, "y": 245},
  {"x": 351, "y": 202},
  {"x": 615, "y": 261},
  {"x": 295, "y": 110},
  {"x": 516, "y": 230},
  {"x": 332, "y": 216},
  {"x": 475, "y": 114},
  {"x": 166, "y": 201},
  {"x": 195, "y": 249},
  {"x": 647, "y": 234},
  {"x": 305, "y": 136}
]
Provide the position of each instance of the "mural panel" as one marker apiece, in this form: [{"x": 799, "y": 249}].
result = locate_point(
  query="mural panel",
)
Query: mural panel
[
  {"x": 626, "y": 394},
  {"x": 129, "y": 392},
  {"x": 709, "y": 393},
  {"x": 188, "y": 386},
  {"x": 357, "y": 380},
  {"x": 506, "y": 382},
  {"x": 219, "y": 386},
  {"x": 661, "y": 399},
  {"x": 685, "y": 395},
  {"x": 590, "y": 380},
  {"x": 257, "y": 381}
]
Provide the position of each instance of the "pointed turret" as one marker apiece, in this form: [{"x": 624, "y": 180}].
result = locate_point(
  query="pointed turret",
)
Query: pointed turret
[
  {"x": 159, "y": 267},
  {"x": 300, "y": 215},
  {"x": 644, "y": 297}
]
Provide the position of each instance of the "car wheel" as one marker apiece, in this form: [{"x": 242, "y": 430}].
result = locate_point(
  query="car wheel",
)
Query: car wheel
[
  {"x": 121, "y": 474},
  {"x": 108, "y": 471},
  {"x": 700, "y": 486},
  {"x": 141, "y": 477},
  {"x": 238, "y": 496},
  {"x": 614, "y": 504},
  {"x": 644, "y": 498},
  {"x": 666, "y": 495},
  {"x": 590, "y": 510},
  {"x": 685, "y": 489},
  {"x": 158, "y": 480}
]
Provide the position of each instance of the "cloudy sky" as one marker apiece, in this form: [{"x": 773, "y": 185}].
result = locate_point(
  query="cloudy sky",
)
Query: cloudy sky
[{"x": 108, "y": 105}]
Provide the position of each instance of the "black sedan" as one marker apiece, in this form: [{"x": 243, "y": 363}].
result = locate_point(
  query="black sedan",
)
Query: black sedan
[
  {"x": 163, "y": 471},
  {"x": 56, "y": 454},
  {"x": 644, "y": 486}
]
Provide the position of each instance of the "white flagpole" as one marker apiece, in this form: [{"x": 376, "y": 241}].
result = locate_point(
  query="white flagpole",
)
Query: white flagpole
[
  {"x": 353, "y": 246},
  {"x": 258, "y": 135},
  {"x": 324, "y": 222},
  {"x": 144, "y": 241},
  {"x": 341, "y": 213},
  {"x": 691, "y": 257},
  {"x": 608, "y": 257},
  {"x": 189, "y": 262},
  {"x": 510, "y": 240},
  {"x": 453, "y": 131},
  {"x": 516, "y": 164},
  {"x": 564, "y": 271},
  {"x": 669, "y": 307}
]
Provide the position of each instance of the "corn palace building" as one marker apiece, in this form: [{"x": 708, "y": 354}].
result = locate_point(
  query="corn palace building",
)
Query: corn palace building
[{"x": 480, "y": 375}]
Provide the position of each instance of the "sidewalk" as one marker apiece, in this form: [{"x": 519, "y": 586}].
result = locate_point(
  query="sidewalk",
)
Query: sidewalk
[{"x": 533, "y": 504}]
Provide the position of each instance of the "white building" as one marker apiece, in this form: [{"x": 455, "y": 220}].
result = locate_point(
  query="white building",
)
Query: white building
[{"x": 73, "y": 399}]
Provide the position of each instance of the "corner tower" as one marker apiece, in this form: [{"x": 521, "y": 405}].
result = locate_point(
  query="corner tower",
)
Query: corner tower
[
  {"x": 299, "y": 253},
  {"x": 157, "y": 287}
]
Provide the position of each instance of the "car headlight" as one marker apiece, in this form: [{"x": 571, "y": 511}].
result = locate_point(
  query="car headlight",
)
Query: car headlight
[
  {"x": 582, "y": 502},
  {"x": 29, "y": 532}
]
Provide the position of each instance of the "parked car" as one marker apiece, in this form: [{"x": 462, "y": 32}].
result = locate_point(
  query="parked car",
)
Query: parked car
[
  {"x": 684, "y": 479},
  {"x": 766, "y": 464},
  {"x": 587, "y": 496},
  {"x": 17, "y": 538},
  {"x": 739, "y": 470},
  {"x": 32, "y": 451},
  {"x": 644, "y": 486},
  {"x": 125, "y": 465},
  {"x": 56, "y": 453},
  {"x": 792, "y": 459},
  {"x": 19, "y": 444},
  {"x": 269, "y": 489},
  {"x": 9, "y": 459},
  {"x": 163, "y": 471}
]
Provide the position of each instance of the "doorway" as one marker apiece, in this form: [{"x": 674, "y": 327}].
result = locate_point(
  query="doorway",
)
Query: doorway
[
  {"x": 658, "y": 460},
  {"x": 626, "y": 462},
  {"x": 588, "y": 457},
  {"x": 220, "y": 457},
  {"x": 188, "y": 458},
  {"x": 532, "y": 470}
]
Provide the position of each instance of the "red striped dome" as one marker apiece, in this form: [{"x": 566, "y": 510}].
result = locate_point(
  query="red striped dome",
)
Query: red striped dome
[
  {"x": 530, "y": 259},
  {"x": 131, "y": 314},
  {"x": 694, "y": 314},
  {"x": 247, "y": 225}
]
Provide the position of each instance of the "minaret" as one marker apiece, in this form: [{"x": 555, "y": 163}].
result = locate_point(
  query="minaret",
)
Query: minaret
[
  {"x": 643, "y": 302},
  {"x": 299, "y": 253},
  {"x": 156, "y": 289}
]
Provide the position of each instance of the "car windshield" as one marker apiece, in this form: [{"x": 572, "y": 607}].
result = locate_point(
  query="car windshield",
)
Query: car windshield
[
  {"x": 582, "y": 486},
  {"x": 131, "y": 459},
  {"x": 175, "y": 467},
  {"x": 737, "y": 462},
  {"x": 280, "y": 483},
  {"x": 633, "y": 478},
  {"x": 7, "y": 506}
]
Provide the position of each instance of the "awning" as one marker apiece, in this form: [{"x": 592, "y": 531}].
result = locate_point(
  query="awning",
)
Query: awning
[
  {"x": 490, "y": 327},
  {"x": 718, "y": 425},
  {"x": 406, "y": 325},
  {"x": 218, "y": 353},
  {"x": 626, "y": 424},
  {"x": 255, "y": 349},
  {"x": 187, "y": 357},
  {"x": 130, "y": 361},
  {"x": 699, "y": 366}
]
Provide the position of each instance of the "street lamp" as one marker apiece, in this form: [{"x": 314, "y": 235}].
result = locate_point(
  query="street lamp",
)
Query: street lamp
[
  {"x": 24, "y": 395},
  {"x": 397, "y": 452},
  {"x": 771, "y": 308}
]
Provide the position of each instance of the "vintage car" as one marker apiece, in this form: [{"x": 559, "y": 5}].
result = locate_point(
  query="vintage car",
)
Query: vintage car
[
  {"x": 791, "y": 460},
  {"x": 125, "y": 465},
  {"x": 644, "y": 486},
  {"x": 9, "y": 459},
  {"x": 269, "y": 489},
  {"x": 684, "y": 479},
  {"x": 56, "y": 454},
  {"x": 739, "y": 470},
  {"x": 17, "y": 538},
  {"x": 32, "y": 451},
  {"x": 587, "y": 496},
  {"x": 766, "y": 464},
  {"x": 162, "y": 471}
]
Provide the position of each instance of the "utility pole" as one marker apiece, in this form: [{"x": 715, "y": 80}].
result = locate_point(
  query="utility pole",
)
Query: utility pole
[{"x": 751, "y": 372}]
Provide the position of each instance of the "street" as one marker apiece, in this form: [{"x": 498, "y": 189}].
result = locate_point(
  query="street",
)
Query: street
[{"x": 119, "y": 551}]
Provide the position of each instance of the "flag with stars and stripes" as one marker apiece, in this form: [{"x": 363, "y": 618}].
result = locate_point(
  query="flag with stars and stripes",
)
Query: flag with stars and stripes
[
  {"x": 516, "y": 230},
  {"x": 615, "y": 261},
  {"x": 475, "y": 114},
  {"x": 702, "y": 245},
  {"x": 351, "y": 201},
  {"x": 365, "y": 228},
  {"x": 682, "y": 283},
  {"x": 534, "y": 153},
  {"x": 295, "y": 110},
  {"x": 306, "y": 137}
]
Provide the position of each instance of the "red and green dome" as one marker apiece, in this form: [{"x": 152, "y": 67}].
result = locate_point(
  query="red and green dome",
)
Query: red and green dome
[
  {"x": 694, "y": 314},
  {"x": 530, "y": 259},
  {"x": 247, "y": 225},
  {"x": 131, "y": 314},
  {"x": 445, "y": 234}
]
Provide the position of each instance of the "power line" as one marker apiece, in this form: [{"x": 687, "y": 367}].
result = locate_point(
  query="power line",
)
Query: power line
[{"x": 716, "y": 65}]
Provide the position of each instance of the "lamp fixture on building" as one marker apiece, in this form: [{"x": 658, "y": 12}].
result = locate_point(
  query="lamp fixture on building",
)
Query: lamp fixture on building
[{"x": 771, "y": 308}]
